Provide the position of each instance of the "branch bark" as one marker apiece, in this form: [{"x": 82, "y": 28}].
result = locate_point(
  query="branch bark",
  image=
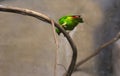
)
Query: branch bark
[{"x": 48, "y": 20}]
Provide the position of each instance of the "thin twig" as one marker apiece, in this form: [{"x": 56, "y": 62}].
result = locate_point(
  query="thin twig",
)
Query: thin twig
[
  {"x": 48, "y": 20},
  {"x": 63, "y": 67},
  {"x": 56, "y": 52},
  {"x": 97, "y": 51}
]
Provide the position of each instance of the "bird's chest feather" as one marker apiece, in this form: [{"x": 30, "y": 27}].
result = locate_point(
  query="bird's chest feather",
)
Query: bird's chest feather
[{"x": 68, "y": 23}]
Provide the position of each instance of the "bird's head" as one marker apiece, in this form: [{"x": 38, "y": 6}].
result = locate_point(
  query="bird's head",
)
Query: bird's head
[{"x": 78, "y": 18}]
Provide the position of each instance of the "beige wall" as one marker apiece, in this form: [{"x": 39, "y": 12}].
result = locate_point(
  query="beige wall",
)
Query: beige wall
[{"x": 27, "y": 45}]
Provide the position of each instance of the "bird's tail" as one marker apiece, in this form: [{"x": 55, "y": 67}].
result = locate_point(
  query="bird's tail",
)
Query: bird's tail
[{"x": 58, "y": 31}]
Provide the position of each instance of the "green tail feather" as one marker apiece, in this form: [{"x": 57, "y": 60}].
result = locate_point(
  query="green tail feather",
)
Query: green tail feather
[{"x": 58, "y": 31}]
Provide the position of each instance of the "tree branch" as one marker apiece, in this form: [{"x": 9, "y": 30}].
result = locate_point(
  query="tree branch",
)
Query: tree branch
[
  {"x": 97, "y": 51},
  {"x": 48, "y": 20}
]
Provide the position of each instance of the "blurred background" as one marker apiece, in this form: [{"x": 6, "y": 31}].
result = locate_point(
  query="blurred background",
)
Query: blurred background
[{"x": 27, "y": 45}]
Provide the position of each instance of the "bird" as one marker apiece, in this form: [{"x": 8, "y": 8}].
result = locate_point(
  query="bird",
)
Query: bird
[{"x": 69, "y": 22}]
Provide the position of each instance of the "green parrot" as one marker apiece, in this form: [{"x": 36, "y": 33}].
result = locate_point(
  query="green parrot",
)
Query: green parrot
[{"x": 69, "y": 22}]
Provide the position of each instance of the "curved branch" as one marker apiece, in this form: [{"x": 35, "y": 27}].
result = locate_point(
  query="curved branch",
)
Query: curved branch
[
  {"x": 48, "y": 20},
  {"x": 97, "y": 51}
]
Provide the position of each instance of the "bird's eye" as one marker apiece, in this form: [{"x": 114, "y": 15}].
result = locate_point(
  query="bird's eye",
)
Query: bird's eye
[{"x": 79, "y": 16}]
